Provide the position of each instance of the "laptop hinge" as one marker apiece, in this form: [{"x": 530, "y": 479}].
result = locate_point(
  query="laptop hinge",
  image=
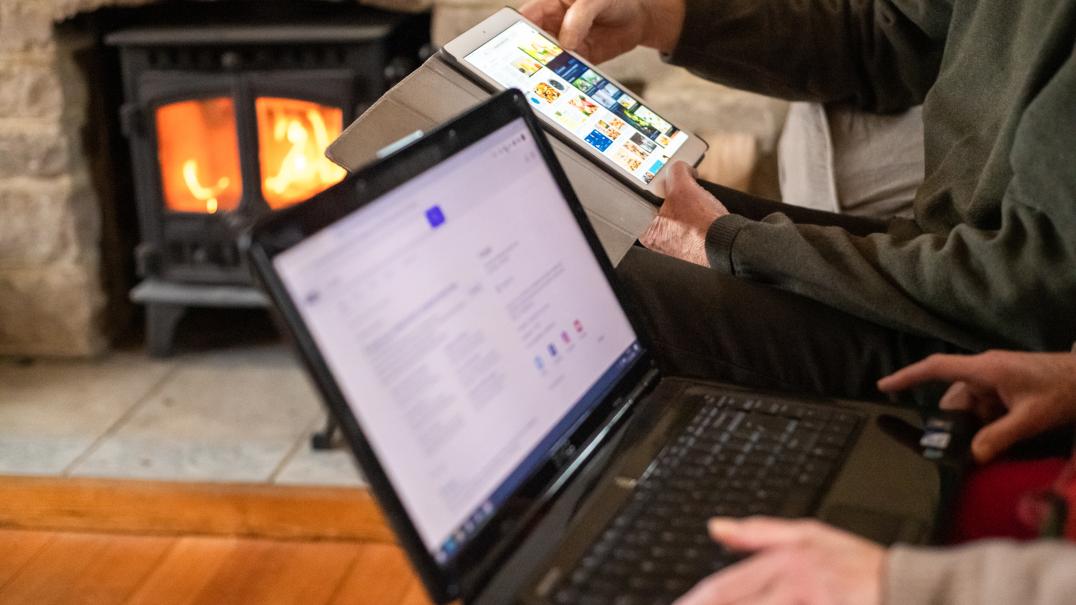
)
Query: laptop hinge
[
  {"x": 567, "y": 451},
  {"x": 649, "y": 381}
]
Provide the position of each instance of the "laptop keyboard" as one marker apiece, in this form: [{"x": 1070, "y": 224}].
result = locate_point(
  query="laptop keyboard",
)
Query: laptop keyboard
[{"x": 737, "y": 457}]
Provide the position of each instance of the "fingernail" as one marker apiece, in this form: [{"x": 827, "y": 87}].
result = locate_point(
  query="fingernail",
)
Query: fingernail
[{"x": 721, "y": 525}]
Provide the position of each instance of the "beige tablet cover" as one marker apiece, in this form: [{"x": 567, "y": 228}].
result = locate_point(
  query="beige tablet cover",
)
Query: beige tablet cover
[{"x": 435, "y": 92}]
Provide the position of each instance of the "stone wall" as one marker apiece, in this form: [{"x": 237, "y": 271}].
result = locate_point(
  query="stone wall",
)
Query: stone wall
[{"x": 51, "y": 297}]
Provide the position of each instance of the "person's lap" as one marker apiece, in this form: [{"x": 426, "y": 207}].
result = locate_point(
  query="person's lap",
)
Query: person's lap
[{"x": 708, "y": 324}]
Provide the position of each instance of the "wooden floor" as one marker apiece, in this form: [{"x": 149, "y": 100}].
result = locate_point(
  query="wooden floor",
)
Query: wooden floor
[{"x": 45, "y": 567}]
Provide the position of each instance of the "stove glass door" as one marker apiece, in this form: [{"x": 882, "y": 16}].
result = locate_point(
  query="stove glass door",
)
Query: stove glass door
[
  {"x": 292, "y": 137},
  {"x": 198, "y": 152}
]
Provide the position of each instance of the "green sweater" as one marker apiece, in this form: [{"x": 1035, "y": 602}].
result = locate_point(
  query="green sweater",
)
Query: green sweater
[{"x": 990, "y": 258}]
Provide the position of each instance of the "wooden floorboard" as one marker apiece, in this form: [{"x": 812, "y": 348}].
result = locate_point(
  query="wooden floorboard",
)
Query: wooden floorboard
[
  {"x": 61, "y": 567},
  {"x": 415, "y": 595},
  {"x": 85, "y": 568},
  {"x": 17, "y": 549},
  {"x": 189, "y": 567},
  {"x": 261, "y": 571},
  {"x": 381, "y": 574},
  {"x": 140, "y": 543},
  {"x": 181, "y": 508}
]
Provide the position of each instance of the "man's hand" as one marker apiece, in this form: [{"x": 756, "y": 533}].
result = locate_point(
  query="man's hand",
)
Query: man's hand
[
  {"x": 795, "y": 562},
  {"x": 602, "y": 29},
  {"x": 1019, "y": 394},
  {"x": 680, "y": 227}
]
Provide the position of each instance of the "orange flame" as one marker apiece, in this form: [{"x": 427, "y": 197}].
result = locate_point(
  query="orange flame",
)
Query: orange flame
[
  {"x": 292, "y": 138},
  {"x": 201, "y": 192},
  {"x": 198, "y": 150}
]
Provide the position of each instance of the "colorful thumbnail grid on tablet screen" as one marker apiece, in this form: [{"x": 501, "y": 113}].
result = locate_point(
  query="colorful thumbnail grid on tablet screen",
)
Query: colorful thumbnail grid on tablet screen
[{"x": 587, "y": 105}]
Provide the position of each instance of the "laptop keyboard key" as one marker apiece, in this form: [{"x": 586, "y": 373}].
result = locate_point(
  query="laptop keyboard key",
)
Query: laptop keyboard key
[{"x": 737, "y": 457}]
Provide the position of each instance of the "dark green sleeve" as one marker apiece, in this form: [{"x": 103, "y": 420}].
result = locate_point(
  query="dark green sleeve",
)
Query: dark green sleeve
[
  {"x": 1013, "y": 286},
  {"x": 879, "y": 55}
]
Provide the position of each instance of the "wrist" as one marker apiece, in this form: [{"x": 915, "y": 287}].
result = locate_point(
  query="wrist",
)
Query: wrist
[
  {"x": 666, "y": 18},
  {"x": 879, "y": 590}
]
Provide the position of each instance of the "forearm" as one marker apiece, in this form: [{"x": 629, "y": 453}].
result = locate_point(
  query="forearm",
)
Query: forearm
[
  {"x": 982, "y": 574},
  {"x": 880, "y": 55},
  {"x": 1005, "y": 282},
  {"x": 976, "y": 289}
]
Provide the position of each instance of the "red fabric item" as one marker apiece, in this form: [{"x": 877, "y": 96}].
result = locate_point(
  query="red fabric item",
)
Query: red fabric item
[
  {"x": 988, "y": 504},
  {"x": 1068, "y": 492}
]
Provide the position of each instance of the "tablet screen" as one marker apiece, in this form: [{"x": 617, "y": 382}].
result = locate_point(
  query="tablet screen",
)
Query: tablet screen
[{"x": 578, "y": 98}]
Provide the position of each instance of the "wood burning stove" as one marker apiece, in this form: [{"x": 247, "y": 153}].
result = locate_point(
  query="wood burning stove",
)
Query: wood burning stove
[{"x": 227, "y": 123}]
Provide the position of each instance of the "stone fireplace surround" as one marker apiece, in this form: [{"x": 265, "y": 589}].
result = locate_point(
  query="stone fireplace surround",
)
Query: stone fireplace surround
[
  {"x": 56, "y": 282},
  {"x": 56, "y": 277},
  {"x": 51, "y": 294}
]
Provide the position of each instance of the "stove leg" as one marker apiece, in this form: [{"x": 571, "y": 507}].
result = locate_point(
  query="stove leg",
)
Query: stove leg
[
  {"x": 161, "y": 321},
  {"x": 323, "y": 439}
]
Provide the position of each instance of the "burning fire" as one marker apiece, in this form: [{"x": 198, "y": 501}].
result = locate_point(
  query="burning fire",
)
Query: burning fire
[
  {"x": 198, "y": 149},
  {"x": 201, "y": 192},
  {"x": 292, "y": 138}
]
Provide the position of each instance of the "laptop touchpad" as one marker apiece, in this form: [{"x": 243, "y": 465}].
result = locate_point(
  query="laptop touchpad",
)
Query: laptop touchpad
[{"x": 875, "y": 525}]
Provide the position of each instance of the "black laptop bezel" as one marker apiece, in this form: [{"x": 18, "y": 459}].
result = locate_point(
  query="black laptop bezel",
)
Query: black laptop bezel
[{"x": 469, "y": 570}]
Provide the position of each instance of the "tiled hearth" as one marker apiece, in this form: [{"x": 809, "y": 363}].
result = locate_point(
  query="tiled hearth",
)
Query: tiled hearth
[{"x": 238, "y": 414}]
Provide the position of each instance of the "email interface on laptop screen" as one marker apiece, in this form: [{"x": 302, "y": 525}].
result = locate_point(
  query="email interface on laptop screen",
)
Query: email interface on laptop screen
[{"x": 468, "y": 325}]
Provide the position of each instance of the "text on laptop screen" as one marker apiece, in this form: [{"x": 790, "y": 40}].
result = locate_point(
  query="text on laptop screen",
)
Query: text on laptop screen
[
  {"x": 593, "y": 109},
  {"x": 467, "y": 323}
]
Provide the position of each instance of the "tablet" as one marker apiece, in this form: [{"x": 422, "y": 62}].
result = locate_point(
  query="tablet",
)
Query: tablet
[{"x": 578, "y": 103}]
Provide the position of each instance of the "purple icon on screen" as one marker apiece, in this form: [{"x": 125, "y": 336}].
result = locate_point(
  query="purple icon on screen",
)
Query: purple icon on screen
[{"x": 435, "y": 216}]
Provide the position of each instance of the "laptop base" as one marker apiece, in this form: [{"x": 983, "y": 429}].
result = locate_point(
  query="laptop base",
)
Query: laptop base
[{"x": 876, "y": 488}]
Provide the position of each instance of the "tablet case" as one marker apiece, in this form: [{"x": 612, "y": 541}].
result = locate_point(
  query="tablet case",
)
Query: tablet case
[{"x": 435, "y": 92}]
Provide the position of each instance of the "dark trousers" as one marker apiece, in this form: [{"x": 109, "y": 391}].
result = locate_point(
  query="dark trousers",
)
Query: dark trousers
[{"x": 704, "y": 323}]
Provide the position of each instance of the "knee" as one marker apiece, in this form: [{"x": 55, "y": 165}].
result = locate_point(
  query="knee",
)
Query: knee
[{"x": 643, "y": 270}]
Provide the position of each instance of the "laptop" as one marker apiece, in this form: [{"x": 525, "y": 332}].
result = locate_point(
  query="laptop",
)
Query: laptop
[{"x": 457, "y": 313}]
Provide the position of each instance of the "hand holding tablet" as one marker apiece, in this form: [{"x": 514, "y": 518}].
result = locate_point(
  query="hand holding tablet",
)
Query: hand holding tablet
[{"x": 588, "y": 110}]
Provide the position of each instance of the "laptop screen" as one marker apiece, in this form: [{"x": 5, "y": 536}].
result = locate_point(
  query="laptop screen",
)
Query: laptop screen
[{"x": 468, "y": 325}]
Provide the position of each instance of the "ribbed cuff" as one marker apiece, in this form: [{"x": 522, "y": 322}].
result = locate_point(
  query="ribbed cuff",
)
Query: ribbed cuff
[{"x": 719, "y": 239}]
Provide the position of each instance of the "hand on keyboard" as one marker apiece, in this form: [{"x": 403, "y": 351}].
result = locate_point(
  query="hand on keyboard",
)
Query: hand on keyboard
[
  {"x": 736, "y": 457},
  {"x": 803, "y": 562}
]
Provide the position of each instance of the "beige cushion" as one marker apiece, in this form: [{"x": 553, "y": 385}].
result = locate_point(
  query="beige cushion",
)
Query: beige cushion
[{"x": 843, "y": 160}]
